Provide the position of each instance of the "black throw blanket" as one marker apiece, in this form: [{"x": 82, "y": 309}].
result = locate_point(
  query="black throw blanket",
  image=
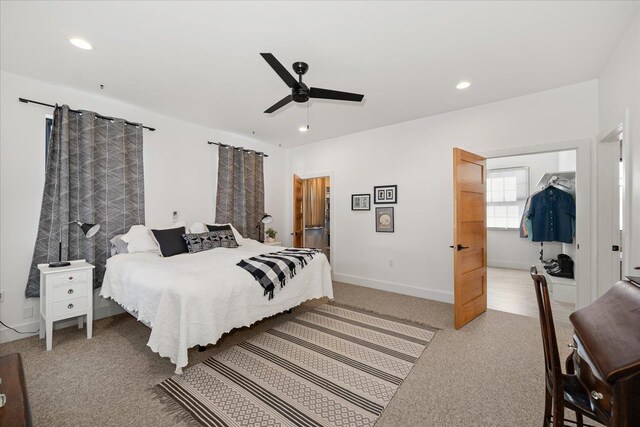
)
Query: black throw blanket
[{"x": 276, "y": 267}]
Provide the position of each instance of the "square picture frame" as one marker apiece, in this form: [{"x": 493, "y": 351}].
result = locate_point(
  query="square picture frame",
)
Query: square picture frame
[
  {"x": 385, "y": 222},
  {"x": 385, "y": 194},
  {"x": 361, "y": 202}
]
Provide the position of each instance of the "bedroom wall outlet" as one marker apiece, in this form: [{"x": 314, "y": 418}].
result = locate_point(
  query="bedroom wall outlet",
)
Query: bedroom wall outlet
[
  {"x": 27, "y": 312},
  {"x": 174, "y": 216},
  {"x": 1, "y": 296}
]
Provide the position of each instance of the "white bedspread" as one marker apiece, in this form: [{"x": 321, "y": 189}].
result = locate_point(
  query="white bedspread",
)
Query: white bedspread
[{"x": 193, "y": 299}]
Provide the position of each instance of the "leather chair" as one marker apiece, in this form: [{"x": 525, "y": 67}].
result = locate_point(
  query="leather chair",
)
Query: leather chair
[{"x": 561, "y": 390}]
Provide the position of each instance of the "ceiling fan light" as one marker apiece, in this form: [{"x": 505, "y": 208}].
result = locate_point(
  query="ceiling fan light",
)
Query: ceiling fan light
[
  {"x": 303, "y": 128},
  {"x": 463, "y": 85}
]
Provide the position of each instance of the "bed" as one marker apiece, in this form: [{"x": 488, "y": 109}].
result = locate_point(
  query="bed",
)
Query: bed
[{"x": 193, "y": 299}]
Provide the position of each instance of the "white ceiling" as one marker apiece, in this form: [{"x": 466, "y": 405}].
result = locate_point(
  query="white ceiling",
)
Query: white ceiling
[{"x": 200, "y": 61}]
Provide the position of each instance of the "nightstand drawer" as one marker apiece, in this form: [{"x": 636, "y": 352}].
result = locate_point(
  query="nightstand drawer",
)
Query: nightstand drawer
[
  {"x": 68, "y": 292},
  {"x": 61, "y": 279},
  {"x": 69, "y": 308}
]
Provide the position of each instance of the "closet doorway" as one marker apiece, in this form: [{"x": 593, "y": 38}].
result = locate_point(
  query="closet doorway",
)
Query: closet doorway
[
  {"x": 513, "y": 241},
  {"x": 312, "y": 213}
]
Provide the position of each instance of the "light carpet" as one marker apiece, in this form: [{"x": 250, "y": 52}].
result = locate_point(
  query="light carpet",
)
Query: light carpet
[
  {"x": 330, "y": 366},
  {"x": 489, "y": 373}
]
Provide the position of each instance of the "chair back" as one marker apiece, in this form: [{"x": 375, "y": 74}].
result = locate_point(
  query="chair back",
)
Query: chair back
[{"x": 553, "y": 371}]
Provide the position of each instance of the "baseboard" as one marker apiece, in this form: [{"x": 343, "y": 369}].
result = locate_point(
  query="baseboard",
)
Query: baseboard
[
  {"x": 7, "y": 335},
  {"x": 398, "y": 288},
  {"x": 510, "y": 264}
]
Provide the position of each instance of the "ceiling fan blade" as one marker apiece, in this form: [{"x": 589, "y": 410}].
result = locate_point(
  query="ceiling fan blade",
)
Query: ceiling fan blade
[
  {"x": 280, "y": 70},
  {"x": 284, "y": 101},
  {"x": 316, "y": 92}
]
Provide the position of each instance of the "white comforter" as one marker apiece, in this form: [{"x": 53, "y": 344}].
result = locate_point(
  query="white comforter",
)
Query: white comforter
[{"x": 193, "y": 299}]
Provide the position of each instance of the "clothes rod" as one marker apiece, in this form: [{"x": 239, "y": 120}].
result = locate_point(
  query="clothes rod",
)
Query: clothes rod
[
  {"x": 237, "y": 148},
  {"x": 30, "y": 101}
]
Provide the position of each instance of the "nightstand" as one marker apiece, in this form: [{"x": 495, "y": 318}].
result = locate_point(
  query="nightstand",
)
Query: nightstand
[
  {"x": 273, "y": 243},
  {"x": 65, "y": 292}
]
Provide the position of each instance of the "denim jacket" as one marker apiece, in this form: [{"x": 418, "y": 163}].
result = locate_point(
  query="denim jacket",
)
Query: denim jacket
[{"x": 552, "y": 213}]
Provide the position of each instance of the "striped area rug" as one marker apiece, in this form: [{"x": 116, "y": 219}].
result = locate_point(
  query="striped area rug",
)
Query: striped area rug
[{"x": 331, "y": 366}]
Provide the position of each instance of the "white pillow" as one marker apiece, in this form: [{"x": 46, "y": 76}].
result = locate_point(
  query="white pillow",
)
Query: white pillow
[
  {"x": 139, "y": 239},
  {"x": 200, "y": 227}
]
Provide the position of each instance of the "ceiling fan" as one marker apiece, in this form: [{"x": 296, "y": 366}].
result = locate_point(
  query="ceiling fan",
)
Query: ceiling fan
[{"x": 300, "y": 92}]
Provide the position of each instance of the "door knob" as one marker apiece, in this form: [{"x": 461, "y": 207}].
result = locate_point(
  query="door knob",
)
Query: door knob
[
  {"x": 459, "y": 247},
  {"x": 637, "y": 267}
]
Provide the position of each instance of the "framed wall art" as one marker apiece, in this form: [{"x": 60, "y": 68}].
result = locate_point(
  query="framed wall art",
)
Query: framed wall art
[
  {"x": 361, "y": 202},
  {"x": 385, "y": 194},
  {"x": 384, "y": 220}
]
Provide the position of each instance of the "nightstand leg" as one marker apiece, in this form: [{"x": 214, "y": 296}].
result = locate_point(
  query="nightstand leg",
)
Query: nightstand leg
[
  {"x": 49, "y": 334},
  {"x": 42, "y": 326},
  {"x": 80, "y": 322},
  {"x": 89, "y": 327}
]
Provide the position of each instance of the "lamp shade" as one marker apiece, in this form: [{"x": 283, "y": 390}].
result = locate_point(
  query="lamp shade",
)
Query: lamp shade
[
  {"x": 267, "y": 219},
  {"x": 89, "y": 230}
]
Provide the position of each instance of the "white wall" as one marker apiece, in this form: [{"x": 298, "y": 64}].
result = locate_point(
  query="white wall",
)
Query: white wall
[
  {"x": 619, "y": 91},
  {"x": 180, "y": 174},
  {"x": 505, "y": 248},
  {"x": 417, "y": 156}
]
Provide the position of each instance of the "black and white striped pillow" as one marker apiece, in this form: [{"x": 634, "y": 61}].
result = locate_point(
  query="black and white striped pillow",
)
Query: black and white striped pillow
[{"x": 198, "y": 242}]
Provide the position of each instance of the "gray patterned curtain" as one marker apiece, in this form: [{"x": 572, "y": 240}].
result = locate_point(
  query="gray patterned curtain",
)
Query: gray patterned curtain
[
  {"x": 94, "y": 174},
  {"x": 240, "y": 195}
]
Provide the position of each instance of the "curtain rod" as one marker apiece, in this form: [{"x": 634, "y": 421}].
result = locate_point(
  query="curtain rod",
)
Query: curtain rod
[
  {"x": 30, "y": 101},
  {"x": 237, "y": 148}
]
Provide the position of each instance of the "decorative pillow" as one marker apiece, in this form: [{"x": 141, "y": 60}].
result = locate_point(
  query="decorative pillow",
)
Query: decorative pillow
[
  {"x": 170, "y": 241},
  {"x": 118, "y": 246},
  {"x": 139, "y": 239},
  {"x": 239, "y": 239},
  {"x": 198, "y": 242},
  {"x": 198, "y": 227}
]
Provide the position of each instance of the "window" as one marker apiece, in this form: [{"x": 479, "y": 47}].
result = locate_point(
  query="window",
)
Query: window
[
  {"x": 621, "y": 185},
  {"x": 507, "y": 192}
]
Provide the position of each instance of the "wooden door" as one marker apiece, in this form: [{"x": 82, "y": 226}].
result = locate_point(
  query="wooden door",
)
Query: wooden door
[
  {"x": 469, "y": 236},
  {"x": 298, "y": 205}
]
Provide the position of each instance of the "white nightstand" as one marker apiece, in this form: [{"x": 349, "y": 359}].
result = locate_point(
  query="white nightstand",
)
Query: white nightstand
[
  {"x": 273, "y": 243},
  {"x": 65, "y": 292}
]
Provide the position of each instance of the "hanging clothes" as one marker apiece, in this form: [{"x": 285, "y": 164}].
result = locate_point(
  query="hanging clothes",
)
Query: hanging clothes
[
  {"x": 552, "y": 212},
  {"x": 526, "y": 231}
]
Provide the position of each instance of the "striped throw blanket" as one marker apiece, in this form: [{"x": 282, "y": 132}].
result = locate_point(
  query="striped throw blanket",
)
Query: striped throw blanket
[{"x": 277, "y": 267}]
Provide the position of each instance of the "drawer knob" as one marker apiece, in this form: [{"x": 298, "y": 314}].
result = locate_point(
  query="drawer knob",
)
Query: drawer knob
[
  {"x": 70, "y": 277},
  {"x": 70, "y": 306},
  {"x": 596, "y": 396},
  {"x": 70, "y": 291}
]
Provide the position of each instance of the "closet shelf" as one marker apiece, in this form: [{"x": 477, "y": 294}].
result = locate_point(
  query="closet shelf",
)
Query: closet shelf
[{"x": 570, "y": 176}]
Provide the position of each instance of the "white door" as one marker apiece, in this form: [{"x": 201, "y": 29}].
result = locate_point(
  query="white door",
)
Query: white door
[{"x": 610, "y": 222}]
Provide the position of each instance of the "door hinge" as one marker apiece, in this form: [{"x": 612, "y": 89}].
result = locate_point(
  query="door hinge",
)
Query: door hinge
[{"x": 615, "y": 248}]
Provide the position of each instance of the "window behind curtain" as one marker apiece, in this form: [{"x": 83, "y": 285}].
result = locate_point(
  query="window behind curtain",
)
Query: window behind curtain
[{"x": 507, "y": 192}]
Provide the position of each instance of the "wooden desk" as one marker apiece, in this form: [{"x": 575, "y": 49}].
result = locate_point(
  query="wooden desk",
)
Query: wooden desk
[
  {"x": 607, "y": 353},
  {"x": 16, "y": 411}
]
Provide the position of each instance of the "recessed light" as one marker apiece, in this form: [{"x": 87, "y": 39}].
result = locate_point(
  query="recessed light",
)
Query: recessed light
[
  {"x": 82, "y": 44},
  {"x": 303, "y": 128},
  {"x": 463, "y": 85}
]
